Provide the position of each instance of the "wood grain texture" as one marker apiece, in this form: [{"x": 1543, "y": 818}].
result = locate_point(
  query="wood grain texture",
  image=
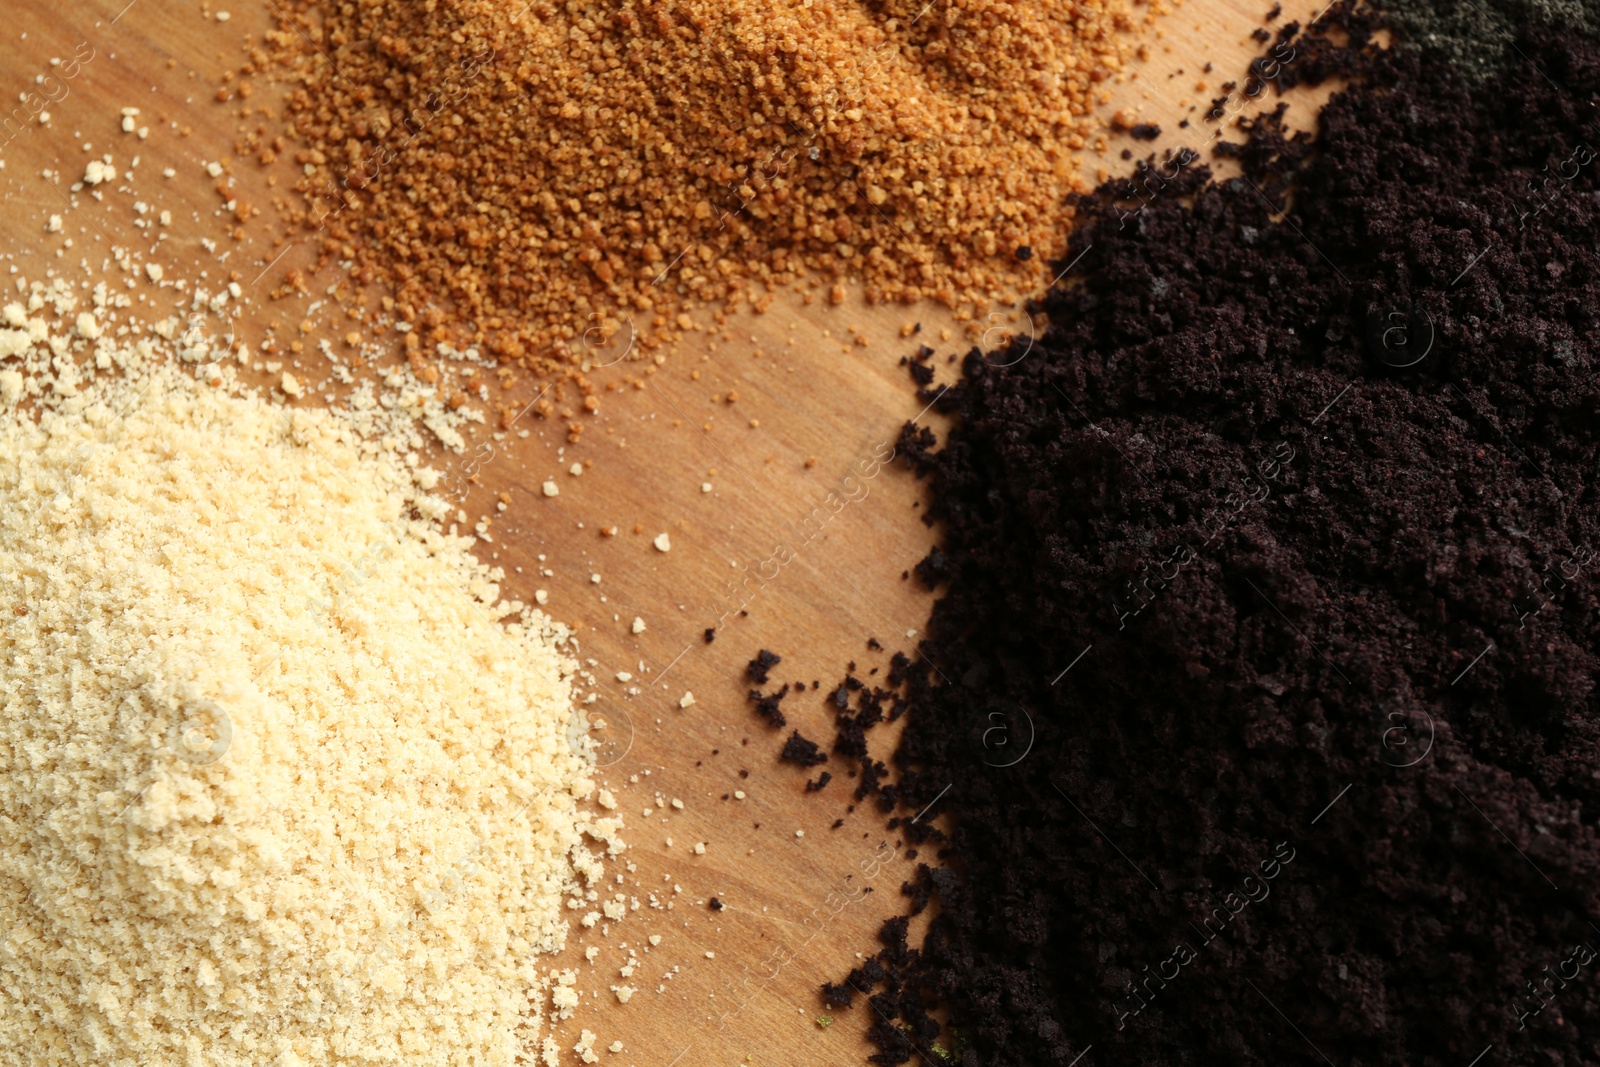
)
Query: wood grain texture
[{"x": 795, "y": 912}]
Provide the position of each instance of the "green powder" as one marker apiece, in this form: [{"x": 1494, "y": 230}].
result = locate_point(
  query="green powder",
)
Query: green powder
[{"x": 1478, "y": 35}]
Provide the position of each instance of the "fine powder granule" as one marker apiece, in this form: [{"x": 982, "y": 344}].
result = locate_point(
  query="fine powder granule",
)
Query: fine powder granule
[{"x": 276, "y": 784}]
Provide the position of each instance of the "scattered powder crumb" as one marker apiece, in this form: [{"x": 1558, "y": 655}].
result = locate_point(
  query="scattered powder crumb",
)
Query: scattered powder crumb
[
  {"x": 687, "y": 700},
  {"x": 663, "y": 543},
  {"x": 551, "y": 489},
  {"x": 638, "y": 625},
  {"x": 98, "y": 171},
  {"x": 563, "y": 996}
]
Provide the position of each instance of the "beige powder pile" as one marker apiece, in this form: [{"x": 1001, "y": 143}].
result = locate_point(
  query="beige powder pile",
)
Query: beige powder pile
[{"x": 277, "y": 786}]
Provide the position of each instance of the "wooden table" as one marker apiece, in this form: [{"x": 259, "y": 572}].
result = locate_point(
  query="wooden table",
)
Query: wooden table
[{"x": 724, "y": 987}]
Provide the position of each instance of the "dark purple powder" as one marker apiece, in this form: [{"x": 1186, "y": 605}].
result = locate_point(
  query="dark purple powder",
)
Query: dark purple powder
[{"x": 1260, "y": 698}]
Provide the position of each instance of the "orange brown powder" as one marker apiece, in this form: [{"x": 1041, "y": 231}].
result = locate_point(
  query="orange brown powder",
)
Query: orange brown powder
[{"x": 517, "y": 179}]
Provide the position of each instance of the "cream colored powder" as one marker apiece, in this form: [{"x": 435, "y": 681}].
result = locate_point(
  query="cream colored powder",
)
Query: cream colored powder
[{"x": 276, "y": 787}]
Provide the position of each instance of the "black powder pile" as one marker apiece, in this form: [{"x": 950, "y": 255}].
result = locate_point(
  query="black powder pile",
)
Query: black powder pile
[{"x": 1260, "y": 696}]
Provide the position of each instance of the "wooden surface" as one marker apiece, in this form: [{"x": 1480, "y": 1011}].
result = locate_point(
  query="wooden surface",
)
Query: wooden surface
[{"x": 795, "y": 912}]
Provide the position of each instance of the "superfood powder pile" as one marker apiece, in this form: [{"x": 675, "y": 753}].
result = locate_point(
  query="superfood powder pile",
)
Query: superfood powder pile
[
  {"x": 1472, "y": 34},
  {"x": 280, "y": 782},
  {"x": 539, "y": 170},
  {"x": 1260, "y": 699}
]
